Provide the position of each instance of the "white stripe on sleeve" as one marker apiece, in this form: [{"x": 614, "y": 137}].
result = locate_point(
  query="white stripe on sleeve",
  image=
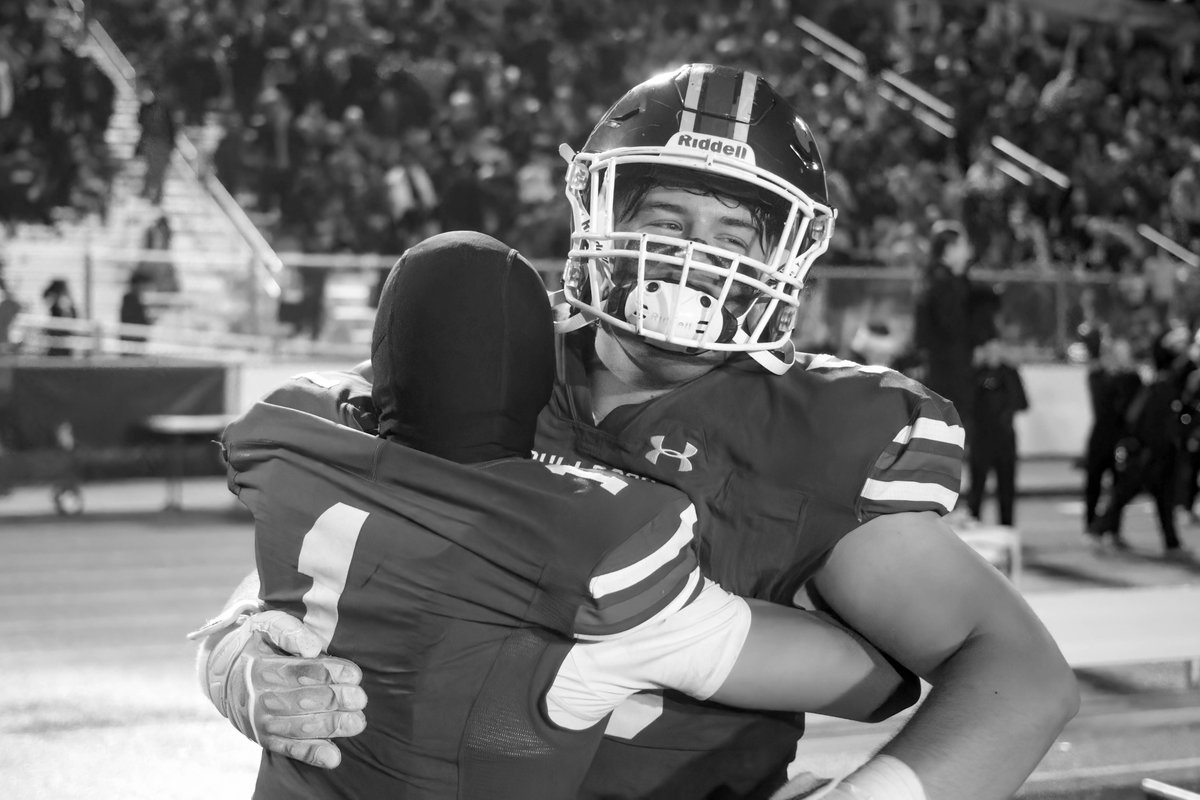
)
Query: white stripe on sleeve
[
  {"x": 610, "y": 582},
  {"x": 913, "y": 491}
]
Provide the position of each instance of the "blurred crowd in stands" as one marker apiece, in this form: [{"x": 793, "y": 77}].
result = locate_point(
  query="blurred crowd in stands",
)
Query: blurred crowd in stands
[
  {"x": 364, "y": 124},
  {"x": 54, "y": 109},
  {"x": 361, "y": 126}
]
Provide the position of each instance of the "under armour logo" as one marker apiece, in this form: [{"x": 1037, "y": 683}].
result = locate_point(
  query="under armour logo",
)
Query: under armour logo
[{"x": 685, "y": 458}]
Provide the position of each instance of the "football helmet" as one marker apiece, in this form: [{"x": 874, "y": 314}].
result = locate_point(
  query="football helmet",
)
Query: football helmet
[{"x": 709, "y": 130}]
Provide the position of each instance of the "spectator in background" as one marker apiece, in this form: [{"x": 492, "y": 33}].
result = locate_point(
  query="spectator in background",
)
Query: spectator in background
[
  {"x": 1148, "y": 458},
  {"x": 999, "y": 396},
  {"x": 157, "y": 265},
  {"x": 874, "y": 343},
  {"x": 411, "y": 196},
  {"x": 984, "y": 198},
  {"x": 951, "y": 321},
  {"x": 133, "y": 306},
  {"x": 1113, "y": 382},
  {"x": 59, "y": 305},
  {"x": 1184, "y": 194},
  {"x": 9, "y": 308},
  {"x": 229, "y": 159},
  {"x": 1190, "y": 417},
  {"x": 271, "y": 123},
  {"x": 157, "y": 141}
]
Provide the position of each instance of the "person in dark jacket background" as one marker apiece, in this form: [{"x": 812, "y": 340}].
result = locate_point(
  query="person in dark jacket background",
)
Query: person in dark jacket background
[
  {"x": 953, "y": 317},
  {"x": 133, "y": 306},
  {"x": 999, "y": 394},
  {"x": 1148, "y": 459},
  {"x": 1113, "y": 382}
]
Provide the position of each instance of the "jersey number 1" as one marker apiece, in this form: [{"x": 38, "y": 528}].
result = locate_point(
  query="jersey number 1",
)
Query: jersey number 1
[{"x": 325, "y": 557}]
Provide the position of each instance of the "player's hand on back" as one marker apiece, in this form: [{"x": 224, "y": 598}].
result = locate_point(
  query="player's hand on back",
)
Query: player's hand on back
[
  {"x": 807, "y": 786},
  {"x": 266, "y": 674}
]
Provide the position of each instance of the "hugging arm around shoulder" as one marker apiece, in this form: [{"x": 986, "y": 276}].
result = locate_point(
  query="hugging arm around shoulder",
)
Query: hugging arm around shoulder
[{"x": 748, "y": 654}]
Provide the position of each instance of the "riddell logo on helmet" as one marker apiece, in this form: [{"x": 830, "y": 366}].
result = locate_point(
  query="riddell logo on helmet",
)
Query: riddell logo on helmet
[{"x": 716, "y": 145}]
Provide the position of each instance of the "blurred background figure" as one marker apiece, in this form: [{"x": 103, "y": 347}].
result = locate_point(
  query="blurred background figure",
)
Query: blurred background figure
[
  {"x": 158, "y": 266},
  {"x": 875, "y": 343},
  {"x": 157, "y": 141},
  {"x": 1148, "y": 458},
  {"x": 1190, "y": 418},
  {"x": 9, "y": 308},
  {"x": 59, "y": 305},
  {"x": 953, "y": 316},
  {"x": 1113, "y": 382},
  {"x": 133, "y": 306},
  {"x": 999, "y": 394}
]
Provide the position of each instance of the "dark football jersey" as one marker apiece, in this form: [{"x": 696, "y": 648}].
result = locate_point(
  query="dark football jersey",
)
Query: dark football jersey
[
  {"x": 780, "y": 468},
  {"x": 457, "y": 589}
]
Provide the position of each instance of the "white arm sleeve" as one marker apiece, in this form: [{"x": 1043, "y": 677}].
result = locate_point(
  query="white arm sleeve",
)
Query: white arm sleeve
[{"x": 691, "y": 651}]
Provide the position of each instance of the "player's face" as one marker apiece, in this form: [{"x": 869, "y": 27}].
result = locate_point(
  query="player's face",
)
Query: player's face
[
  {"x": 694, "y": 217},
  {"x": 705, "y": 219}
]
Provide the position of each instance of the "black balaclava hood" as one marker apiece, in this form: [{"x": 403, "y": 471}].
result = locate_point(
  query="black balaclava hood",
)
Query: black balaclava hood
[{"x": 463, "y": 349}]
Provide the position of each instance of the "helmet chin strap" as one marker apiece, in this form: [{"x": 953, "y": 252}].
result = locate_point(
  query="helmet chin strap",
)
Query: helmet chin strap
[{"x": 776, "y": 362}]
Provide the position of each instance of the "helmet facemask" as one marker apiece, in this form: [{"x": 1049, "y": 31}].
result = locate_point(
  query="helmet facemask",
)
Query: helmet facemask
[{"x": 682, "y": 295}]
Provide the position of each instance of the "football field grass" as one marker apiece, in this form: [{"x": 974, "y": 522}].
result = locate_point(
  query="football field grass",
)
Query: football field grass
[{"x": 99, "y": 699}]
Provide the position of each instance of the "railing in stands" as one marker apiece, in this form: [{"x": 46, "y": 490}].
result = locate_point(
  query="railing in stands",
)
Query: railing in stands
[
  {"x": 904, "y": 94},
  {"x": 91, "y": 339},
  {"x": 1165, "y": 791},
  {"x": 1014, "y": 161},
  {"x": 1174, "y": 248},
  {"x": 266, "y": 263}
]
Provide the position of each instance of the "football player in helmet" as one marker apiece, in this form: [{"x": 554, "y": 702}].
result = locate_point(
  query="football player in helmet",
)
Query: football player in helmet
[
  {"x": 475, "y": 586},
  {"x": 699, "y": 205},
  {"x": 716, "y": 139}
]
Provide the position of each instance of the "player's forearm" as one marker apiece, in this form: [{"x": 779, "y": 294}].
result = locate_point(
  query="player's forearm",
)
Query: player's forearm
[
  {"x": 794, "y": 660},
  {"x": 995, "y": 709}
]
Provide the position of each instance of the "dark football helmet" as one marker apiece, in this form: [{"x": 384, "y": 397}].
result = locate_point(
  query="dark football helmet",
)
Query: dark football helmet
[{"x": 715, "y": 131}]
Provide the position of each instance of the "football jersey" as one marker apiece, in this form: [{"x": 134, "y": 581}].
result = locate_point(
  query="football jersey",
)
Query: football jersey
[
  {"x": 453, "y": 587},
  {"x": 780, "y": 468}
]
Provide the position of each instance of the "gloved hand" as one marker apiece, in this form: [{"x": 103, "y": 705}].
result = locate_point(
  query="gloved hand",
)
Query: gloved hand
[
  {"x": 884, "y": 777},
  {"x": 806, "y": 786},
  {"x": 266, "y": 674}
]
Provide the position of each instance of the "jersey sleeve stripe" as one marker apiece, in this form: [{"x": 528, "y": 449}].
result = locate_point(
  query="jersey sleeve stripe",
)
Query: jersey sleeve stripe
[
  {"x": 912, "y": 493},
  {"x": 681, "y": 585},
  {"x": 933, "y": 429},
  {"x": 940, "y": 464},
  {"x": 623, "y": 578}
]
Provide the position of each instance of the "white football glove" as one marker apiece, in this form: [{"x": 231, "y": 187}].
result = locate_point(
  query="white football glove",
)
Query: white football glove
[
  {"x": 884, "y": 777},
  {"x": 265, "y": 673},
  {"x": 806, "y": 786}
]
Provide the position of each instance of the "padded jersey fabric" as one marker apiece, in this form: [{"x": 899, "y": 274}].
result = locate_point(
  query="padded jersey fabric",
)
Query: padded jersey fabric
[{"x": 780, "y": 469}]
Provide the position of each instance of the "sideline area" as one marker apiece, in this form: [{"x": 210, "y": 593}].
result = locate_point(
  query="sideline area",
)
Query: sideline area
[{"x": 102, "y": 692}]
